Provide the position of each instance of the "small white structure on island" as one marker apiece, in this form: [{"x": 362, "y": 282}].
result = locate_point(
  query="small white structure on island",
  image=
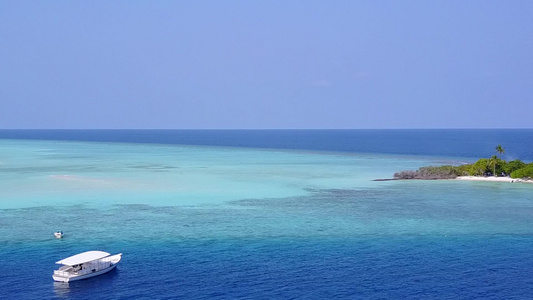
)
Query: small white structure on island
[{"x": 85, "y": 265}]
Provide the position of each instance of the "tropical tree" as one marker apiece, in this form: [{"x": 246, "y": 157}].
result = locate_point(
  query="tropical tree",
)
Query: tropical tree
[
  {"x": 479, "y": 167},
  {"x": 525, "y": 172},
  {"x": 513, "y": 165},
  {"x": 493, "y": 161},
  {"x": 499, "y": 149}
]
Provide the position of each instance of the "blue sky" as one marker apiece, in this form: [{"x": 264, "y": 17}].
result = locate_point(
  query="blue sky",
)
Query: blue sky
[{"x": 266, "y": 64}]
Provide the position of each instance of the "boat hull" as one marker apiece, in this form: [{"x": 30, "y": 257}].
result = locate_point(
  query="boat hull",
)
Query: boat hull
[{"x": 84, "y": 276}]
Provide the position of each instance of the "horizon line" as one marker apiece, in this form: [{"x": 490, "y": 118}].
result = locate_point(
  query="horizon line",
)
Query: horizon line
[{"x": 272, "y": 129}]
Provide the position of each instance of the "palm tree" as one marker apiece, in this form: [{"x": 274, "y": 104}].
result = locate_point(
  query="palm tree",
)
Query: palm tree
[
  {"x": 499, "y": 149},
  {"x": 492, "y": 162},
  {"x": 494, "y": 159}
]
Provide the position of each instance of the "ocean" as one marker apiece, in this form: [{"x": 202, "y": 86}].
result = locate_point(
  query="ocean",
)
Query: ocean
[{"x": 263, "y": 214}]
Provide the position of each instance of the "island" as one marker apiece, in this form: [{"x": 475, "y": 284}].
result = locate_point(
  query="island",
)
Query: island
[{"x": 486, "y": 169}]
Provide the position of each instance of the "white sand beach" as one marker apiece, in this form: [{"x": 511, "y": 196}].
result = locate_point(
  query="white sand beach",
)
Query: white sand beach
[{"x": 491, "y": 178}]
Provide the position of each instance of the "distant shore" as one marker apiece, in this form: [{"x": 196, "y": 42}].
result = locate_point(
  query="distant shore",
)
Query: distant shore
[{"x": 470, "y": 178}]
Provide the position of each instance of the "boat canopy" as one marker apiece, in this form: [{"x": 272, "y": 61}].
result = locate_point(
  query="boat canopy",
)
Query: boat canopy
[{"x": 83, "y": 258}]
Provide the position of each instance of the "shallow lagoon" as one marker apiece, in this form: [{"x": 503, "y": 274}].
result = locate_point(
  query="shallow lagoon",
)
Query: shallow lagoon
[{"x": 40, "y": 173}]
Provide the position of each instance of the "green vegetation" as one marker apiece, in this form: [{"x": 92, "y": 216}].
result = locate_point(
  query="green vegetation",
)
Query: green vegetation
[
  {"x": 525, "y": 172},
  {"x": 483, "y": 167},
  {"x": 513, "y": 165}
]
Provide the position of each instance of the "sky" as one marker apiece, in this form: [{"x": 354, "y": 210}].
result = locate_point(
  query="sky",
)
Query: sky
[{"x": 266, "y": 64}]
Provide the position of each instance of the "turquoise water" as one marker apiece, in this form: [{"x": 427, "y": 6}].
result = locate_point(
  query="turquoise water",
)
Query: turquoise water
[
  {"x": 220, "y": 222},
  {"x": 40, "y": 173}
]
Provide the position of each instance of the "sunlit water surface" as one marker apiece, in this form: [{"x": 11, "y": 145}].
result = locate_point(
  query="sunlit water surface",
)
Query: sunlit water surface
[{"x": 204, "y": 222}]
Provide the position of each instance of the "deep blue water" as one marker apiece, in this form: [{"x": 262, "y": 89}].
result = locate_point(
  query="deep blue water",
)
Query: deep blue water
[
  {"x": 392, "y": 240},
  {"x": 477, "y": 267},
  {"x": 470, "y": 143}
]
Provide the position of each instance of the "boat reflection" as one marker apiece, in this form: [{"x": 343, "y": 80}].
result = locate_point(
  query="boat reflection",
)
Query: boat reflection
[{"x": 61, "y": 289}]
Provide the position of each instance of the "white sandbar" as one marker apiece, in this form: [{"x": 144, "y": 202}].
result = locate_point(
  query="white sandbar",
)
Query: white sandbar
[{"x": 492, "y": 178}]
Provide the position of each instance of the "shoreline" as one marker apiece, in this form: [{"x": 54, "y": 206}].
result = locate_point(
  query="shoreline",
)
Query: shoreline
[
  {"x": 493, "y": 179},
  {"x": 471, "y": 178}
]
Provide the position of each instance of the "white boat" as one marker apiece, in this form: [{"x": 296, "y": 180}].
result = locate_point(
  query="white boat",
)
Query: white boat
[
  {"x": 85, "y": 265},
  {"x": 58, "y": 234}
]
